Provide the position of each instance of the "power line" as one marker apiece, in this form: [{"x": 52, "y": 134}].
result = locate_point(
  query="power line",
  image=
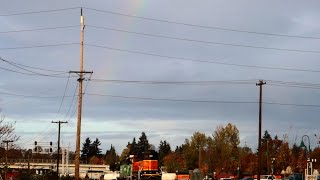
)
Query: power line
[
  {"x": 33, "y": 72},
  {"x": 75, "y": 107},
  {"x": 201, "y": 101},
  {"x": 30, "y": 96},
  {"x": 207, "y": 83},
  {"x": 38, "y": 29},
  {"x": 202, "y": 26},
  {"x": 203, "y": 61},
  {"x": 288, "y": 104},
  {"x": 64, "y": 95},
  {"x": 39, "y": 46},
  {"x": 10, "y": 70},
  {"x": 210, "y": 42},
  {"x": 174, "y": 100},
  {"x": 295, "y": 86},
  {"x": 174, "y": 82},
  {"x": 71, "y": 104},
  {"x": 294, "y": 83},
  {"x": 41, "y": 11},
  {"x": 18, "y": 64}
]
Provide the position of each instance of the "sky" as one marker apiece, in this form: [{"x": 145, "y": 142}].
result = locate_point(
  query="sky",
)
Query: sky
[{"x": 166, "y": 68}]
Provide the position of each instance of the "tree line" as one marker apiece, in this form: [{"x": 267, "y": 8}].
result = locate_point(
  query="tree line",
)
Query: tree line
[{"x": 221, "y": 153}]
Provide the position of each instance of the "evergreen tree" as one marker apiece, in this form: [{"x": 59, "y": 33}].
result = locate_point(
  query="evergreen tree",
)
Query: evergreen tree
[
  {"x": 133, "y": 147},
  {"x": 95, "y": 150},
  {"x": 111, "y": 158},
  {"x": 164, "y": 150},
  {"x": 143, "y": 145},
  {"x": 90, "y": 149},
  {"x": 266, "y": 137},
  {"x": 85, "y": 149}
]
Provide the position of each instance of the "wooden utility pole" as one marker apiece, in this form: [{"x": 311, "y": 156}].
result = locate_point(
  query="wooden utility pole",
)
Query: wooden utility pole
[
  {"x": 59, "y": 122},
  {"x": 80, "y": 73},
  {"x": 261, "y": 83},
  {"x": 7, "y": 143},
  {"x": 77, "y": 157}
]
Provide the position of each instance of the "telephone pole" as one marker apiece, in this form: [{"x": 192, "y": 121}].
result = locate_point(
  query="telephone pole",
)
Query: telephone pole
[
  {"x": 7, "y": 142},
  {"x": 80, "y": 73},
  {"x": 261, "y": 83},
  {"x": 59, "y": 122}
]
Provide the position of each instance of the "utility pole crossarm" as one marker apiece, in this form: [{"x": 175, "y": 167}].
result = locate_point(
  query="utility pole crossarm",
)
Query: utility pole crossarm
[{"x": 84, "y": 72}]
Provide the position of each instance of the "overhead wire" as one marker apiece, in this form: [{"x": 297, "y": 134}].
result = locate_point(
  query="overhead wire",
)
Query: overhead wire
[
  {"x": 201, "y": 61},
  {"x": 206, "y": 83},
  {"x": 305, "y": 85},
  {"x": 165, "y": 21},
  {"x": 38, "y": 12},
  {"x": 209, "y": 42},
  {"x": 30, "y": 96},
  {"x": 37, "y": 46},
  {"x": 64, "y": 95},
  {"x": 174, "y": 100},
  {"x": 18, "y": 64},
  {"x": 84, "y": 92},
  {"x": 175, "y": 82},
  {"x": 19, "y": 99},
  {"x": 37, "y": 136},
  {"x": 71, "y": 104},
  {"x": 142, "y": 82},
  {"x": 33, "y": 72},
  {"x": 49, "y": 134},
  {"x": 295, "y": 86},
  {"x": 202, "y": 101},
  {"x": 38, "y": 29},
  {"x": 10, "y": 70},
  {"x": 202, "y": 26}
]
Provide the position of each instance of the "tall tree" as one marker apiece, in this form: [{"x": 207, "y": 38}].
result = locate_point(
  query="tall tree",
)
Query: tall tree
[
  {"x": 111, "y": 155},
  {"x": 143, "y": 145},
  {"x": 174, "y": 162},
  {"x": 95, "y": 149},
  {"x": 197, "y": 144},
  {"x": 112, "y": 158},
  {"x": 164, "y": 149},
  {"x": 134, "y": 149},
  {"x": 86, "y": 149},
  {"x": 247, "y": 161},
  {"x": 90, "y": 149},
  {"x": 226, "y": 141},
  {"x": 283, "y": 158},
  {"x": 125, "y": 154},
  {"x": 266, "y": 152}
]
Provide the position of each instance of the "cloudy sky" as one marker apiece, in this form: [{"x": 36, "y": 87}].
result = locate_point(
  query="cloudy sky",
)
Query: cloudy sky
[{"x": 168, "y": 68}]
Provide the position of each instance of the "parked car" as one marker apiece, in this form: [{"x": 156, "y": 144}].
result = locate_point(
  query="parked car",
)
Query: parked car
[
  {"x": 247, "y": 178},
  {"x": 266, "y": 177}
]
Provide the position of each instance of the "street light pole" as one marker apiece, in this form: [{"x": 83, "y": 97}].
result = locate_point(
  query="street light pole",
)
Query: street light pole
[
  {"x": 261, "y": 83},
  {"x": 272, "y": 167},
  {"x": 302, "y": 144}
]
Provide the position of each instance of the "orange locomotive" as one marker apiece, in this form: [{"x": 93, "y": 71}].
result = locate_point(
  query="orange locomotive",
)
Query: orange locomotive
[{"x": 146, "y": 168}]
